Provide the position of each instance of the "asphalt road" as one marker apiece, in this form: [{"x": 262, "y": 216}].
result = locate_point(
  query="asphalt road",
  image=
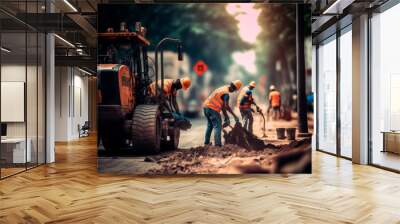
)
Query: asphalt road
[
  {"x": 135, "y": 164},
  {"x": 194, "y": 136}
]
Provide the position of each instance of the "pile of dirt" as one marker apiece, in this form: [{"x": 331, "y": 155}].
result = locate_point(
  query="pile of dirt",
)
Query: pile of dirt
[
  {"x": 233, "y": 159},
  {"x": 243, "y": 152},
  {"x": 204, "y": 159},
  {"x": 241, "y": 137}
]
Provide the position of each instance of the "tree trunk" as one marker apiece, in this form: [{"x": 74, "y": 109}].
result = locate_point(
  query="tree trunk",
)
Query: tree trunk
[{"x": 301, "y": 77}]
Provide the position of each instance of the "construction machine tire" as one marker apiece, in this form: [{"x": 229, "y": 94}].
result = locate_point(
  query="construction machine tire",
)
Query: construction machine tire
[
  {"x": 146, "y": 128},
  {"x": 172, "y": 144}
]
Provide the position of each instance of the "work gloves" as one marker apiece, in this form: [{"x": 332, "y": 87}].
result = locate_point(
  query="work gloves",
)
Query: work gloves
[
  {"x": 226, "y": 123},
  {"x": 177, "y": 116}
]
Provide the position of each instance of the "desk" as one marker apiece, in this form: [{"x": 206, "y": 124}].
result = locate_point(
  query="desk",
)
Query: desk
[
  {"x": 391, "y": 141},
  {"x": 13, "y": 150}
]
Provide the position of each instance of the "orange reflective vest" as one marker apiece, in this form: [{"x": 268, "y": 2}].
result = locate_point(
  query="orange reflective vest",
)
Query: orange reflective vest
[
  {"x": 242, "y": 94},
  {"x": 275, "y": 98},
  {"x": 214, "y": 101},
  {"x": 167, "y": 87}
]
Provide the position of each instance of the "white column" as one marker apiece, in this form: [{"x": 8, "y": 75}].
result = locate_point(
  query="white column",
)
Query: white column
[
  {"x": 360, "y": 90},
  {"x": 50, "y": 92},
  {"x": 50, "y": 98}
]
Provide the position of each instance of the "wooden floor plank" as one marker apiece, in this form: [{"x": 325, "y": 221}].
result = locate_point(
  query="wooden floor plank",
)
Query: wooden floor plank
[{"x": 72, "y": 191}]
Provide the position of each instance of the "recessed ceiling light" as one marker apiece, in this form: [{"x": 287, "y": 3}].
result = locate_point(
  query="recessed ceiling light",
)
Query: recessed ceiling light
[
  {"x": 70, "y": 5},
  {"x": 64, "y": 40},
  {"x": 5, "y": 50},
  {"x": 84, "y": 71},
  {"x": 332, "y": 7}
]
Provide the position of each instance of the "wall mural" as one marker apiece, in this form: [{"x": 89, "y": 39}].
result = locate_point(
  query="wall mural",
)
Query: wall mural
[{"x": 204, "y": 88}]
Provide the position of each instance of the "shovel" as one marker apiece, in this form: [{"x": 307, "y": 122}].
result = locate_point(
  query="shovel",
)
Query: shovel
[{"x": 264, "y": 135}]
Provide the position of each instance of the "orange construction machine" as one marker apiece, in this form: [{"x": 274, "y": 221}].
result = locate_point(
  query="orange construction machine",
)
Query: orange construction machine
[{"x": 128, "y": 116}]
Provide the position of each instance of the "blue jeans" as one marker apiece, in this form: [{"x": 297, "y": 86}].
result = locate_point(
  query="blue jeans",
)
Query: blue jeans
[
  {"x": 213, "y": 122},
  {"x": 247, "y": 117}
]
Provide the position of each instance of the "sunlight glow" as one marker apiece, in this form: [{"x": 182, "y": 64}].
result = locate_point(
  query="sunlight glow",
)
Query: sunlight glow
[
  {"x": 247, "y": 16},
  {"x": 246, "y": 59}
]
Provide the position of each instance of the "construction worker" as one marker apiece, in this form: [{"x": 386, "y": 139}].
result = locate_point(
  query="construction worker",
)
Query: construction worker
[
  {"x": 171, "y": 87},
  {"x": 274, "y": 102},
  {"x": 219, "y": 101},
  {"x": 244, "y": 101}
]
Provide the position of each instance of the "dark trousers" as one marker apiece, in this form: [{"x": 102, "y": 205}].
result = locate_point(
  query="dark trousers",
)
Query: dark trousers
[
  {"x": 247, "y": 117},
  {"x": 214, "y": 121}
]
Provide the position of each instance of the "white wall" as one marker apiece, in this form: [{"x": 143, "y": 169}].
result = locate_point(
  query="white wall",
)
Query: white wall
[
  {"x": 12, "y": 73},
  {"x": 33, "y": 127},
  {"x": 71, "y": 102},
  {"x": 62, "y": 78}
]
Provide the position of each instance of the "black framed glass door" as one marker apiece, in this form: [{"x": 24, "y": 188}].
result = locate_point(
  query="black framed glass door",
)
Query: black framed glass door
[
  {"x": 22, "y": 77},
  {"x": 384, "y": 108},
  {"x": 334, "y": 94}
]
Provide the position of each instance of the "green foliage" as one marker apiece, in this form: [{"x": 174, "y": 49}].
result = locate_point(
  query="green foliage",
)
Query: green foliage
[
  {"x": 208, "y": 32},
  {"x": 277, "y": 41}
]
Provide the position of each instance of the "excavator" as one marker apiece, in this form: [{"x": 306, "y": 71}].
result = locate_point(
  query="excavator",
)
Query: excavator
[{"x": 128, "y": 116}]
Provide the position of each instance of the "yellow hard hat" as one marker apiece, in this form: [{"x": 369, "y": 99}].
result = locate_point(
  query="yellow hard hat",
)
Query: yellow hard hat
[
  {"x": 252, "y": 84},
  {"x": 237, "y": 84},
  {"x": 185, "y": 82}
]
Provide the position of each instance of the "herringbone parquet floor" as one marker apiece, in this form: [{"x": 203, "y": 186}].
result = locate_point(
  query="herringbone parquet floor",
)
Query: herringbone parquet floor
[{"x": 71, "y": 191}]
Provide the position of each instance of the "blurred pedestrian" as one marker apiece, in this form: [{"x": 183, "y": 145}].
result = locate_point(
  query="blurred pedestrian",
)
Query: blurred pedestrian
[{"x": 274, "y": 102}]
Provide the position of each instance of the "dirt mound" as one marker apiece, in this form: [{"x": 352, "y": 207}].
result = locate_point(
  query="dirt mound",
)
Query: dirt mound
[
  {"x": 243, "y": 152},
  {"x": 241, "y": 137},
  {"x": 204, "y": 159},
  {"x": 233, "y": 159}
]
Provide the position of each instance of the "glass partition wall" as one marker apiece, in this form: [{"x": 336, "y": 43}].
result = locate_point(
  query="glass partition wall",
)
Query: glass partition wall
[
  {"x": 345, "y": 90},
  {"x": 334, "y": 93},
  {"x": 327, "y": 95},
  {"x": 385, "y": 89},
  {"x": 22, "y": 107}
]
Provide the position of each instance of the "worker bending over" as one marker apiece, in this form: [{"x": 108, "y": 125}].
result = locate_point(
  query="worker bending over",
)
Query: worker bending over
[
  {"x": 171, "y": 87},
  {"x": 217, "y": 101},
  {"x": 274, "y": 102},
  {"x": 245, "y": 100}
]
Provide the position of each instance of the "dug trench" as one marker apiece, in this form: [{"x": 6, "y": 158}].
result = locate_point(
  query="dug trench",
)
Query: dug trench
[{"x": 242, "y": 153}]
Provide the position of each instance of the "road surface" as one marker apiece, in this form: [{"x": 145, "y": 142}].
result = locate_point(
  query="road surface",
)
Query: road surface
[{"x": 189, "y": 139}]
